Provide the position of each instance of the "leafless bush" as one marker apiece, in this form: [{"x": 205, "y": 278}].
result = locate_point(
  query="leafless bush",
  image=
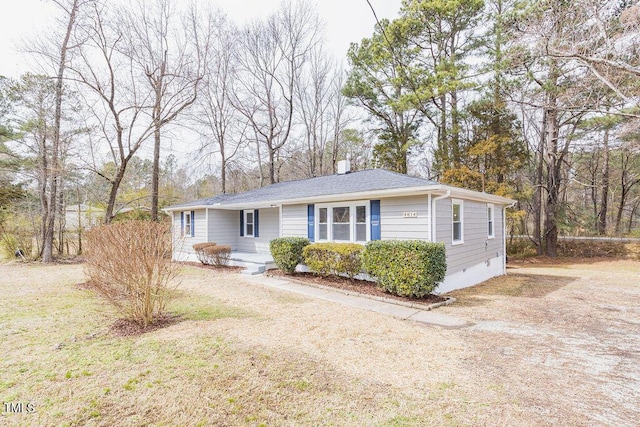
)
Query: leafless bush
[
  {"x": 202, "y": 256},
  {"x": 213, "y": 254},
  {"x": 127, "y": 263}
]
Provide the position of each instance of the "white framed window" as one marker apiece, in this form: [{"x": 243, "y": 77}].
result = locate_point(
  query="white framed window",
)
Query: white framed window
[
  {"x": 457, "y": 222},
  {"x": 186, "y": 231},
  {"x": 323, "y": 225},
  {"x": 249, "y": 223},
  {"x": 361, "y": 223},
  {"x": 490, "y": 221},
  {"x": 343, "y": 222}
]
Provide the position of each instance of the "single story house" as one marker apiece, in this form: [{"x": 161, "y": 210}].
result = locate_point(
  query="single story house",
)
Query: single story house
[{"x": 354, "y": 207}]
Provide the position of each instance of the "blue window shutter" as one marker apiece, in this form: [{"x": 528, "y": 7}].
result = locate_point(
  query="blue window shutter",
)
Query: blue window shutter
[
  {"x": 181, "y": 223},
  {"x": 256, "y": 224},
  {"x": 241, "y": 223},
  {"x": 375, "y": 220},
  {"x": 193, "y": 223},
  {"x": 311, "y": 226}
]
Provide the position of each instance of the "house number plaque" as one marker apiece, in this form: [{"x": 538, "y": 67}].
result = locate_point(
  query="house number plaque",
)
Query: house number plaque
[{"x": 409, "y": 214}]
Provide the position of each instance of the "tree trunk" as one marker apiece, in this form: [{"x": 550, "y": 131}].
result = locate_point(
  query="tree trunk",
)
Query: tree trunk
[
  {"x": 50, "y": 216},
  {"x": 455, "y": 130},
  {"x": 602, "y": 215},
  {"x": 155, "y": 174},
  {"x": 442, "y": 135},
  {"x": 537, "y": 194},
  {"x": 223, "y": 172},
  {"x": 272, "y": 166},
  {"x": 553, "y": 180},
  {"x": 115, "y": 185}
]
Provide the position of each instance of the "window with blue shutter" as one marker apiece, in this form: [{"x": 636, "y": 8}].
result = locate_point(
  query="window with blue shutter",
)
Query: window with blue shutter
[
  {"x": 181, "y": 223},
  {"x": 310, "y": 222},
  {"x": 193, "y": 223},
  {"x": 375, "y": 220},
  {"x": 241, "y": 223},
  {"x": 256, "y": 225}
]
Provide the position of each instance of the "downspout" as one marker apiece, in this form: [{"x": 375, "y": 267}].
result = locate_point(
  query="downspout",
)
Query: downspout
[
  {"x": 429, "y": 214},
  {"x": 433, "y": 211}
]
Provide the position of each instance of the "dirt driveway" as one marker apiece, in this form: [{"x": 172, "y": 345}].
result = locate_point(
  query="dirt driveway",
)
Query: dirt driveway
[
  {"x": 547, "y": 345},
  {"x": 564, "y": 340}
]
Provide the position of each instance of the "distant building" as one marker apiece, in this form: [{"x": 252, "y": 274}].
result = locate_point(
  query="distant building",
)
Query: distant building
[{"x": 82, "y": 216}]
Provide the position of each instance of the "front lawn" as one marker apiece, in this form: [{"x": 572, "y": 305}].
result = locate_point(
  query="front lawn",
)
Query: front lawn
[{"x": 552, "y": 345}]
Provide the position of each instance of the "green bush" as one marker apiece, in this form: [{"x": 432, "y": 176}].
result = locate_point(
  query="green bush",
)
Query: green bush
[
  {"x": 406, "y": 267},
  {"x": 334, "y": 258},
  {"x": 217, "y": 255},
  {"x": 287, "y": 252}
]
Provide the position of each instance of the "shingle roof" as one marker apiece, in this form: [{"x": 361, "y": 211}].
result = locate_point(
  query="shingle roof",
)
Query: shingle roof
[
  {"x": 354, "y": 182},
  {"x": 204, "y": 202}
]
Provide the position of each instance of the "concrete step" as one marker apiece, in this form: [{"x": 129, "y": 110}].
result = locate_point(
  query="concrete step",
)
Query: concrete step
[{"x": 254, "y": 269}]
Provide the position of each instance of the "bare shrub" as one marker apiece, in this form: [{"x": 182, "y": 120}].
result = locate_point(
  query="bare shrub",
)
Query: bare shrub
[
  {"x": 217, "y": 255},
  {"x": 127, "y": 263},
  {"x": 200, "y": 253}
]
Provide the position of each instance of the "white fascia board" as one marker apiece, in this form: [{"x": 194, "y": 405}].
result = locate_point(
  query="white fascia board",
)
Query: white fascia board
[
  {"x": 360, "y": 195},
  {"x": 463, "y": 193}
]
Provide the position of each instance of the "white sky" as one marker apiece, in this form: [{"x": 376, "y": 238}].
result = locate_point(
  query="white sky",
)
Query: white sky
[{"x": 346, "y": 21}]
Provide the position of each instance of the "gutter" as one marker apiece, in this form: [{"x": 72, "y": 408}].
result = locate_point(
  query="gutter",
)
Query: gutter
[
  {"x": 361, "y": 195},
  {"x": 433, "y": 212}
]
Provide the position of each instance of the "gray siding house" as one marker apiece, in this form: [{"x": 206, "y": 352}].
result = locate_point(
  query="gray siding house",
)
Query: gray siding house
[{"x": 354, "y": 207}]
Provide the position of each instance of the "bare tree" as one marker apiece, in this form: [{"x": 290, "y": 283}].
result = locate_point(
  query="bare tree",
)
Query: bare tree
[
  {"x": 561, "y": 94},
  {"x": 606, "y": 40},
  {"x": 313, "y": 91},
  {"x": 166, "y": 51},
  {"x": 321, "y": 111},
  {"x": 271, "y": 57},
  {"x": 116, "y": 98},
  {"x": 55, "y": 51},
  {"x": 223, "y": 129}
]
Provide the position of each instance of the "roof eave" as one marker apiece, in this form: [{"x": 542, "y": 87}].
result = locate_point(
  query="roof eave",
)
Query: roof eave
[{"x": 359, "y": 195}]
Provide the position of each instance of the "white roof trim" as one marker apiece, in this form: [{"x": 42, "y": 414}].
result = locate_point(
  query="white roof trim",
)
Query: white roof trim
[{"x": 373, "y": 194}]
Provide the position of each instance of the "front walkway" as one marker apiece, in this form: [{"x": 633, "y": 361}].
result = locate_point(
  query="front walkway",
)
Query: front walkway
[
  {"x": 405, "y": 313},
  {"x": 253, "y": 258}
]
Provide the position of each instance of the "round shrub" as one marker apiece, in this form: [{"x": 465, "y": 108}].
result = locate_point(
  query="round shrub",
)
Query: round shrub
[
  {"x": 334, "y": 258},
  {"x": 287, "y": 252},
  {"x": 217, "y": 255},
  {"x": 406, "y": 267},
  {"x": 202, "y": 256}
]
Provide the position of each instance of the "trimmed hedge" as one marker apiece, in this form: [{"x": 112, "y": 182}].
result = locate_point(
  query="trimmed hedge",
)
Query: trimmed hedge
[
  {"x": 406, "y": 267},
  {"x": 334, "y": 258},
  {"x": 287, "y": 252},
  {"x": 217, "y": 255},
  {"x": 199, "y": 248}
]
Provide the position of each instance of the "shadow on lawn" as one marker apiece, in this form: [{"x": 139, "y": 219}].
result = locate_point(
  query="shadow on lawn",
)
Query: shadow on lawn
[{"x": 511, "y": 285}]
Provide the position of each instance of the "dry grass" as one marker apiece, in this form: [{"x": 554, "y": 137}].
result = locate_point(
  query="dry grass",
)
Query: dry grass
[
  {"x": 513, "y": 285},
  {"x": 245, "y": 354}
]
